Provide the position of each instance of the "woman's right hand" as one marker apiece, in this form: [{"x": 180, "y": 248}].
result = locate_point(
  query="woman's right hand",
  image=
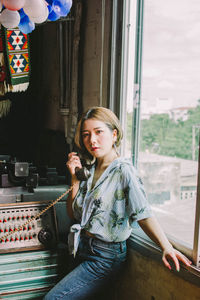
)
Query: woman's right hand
[{"x": 72, "y": 163}]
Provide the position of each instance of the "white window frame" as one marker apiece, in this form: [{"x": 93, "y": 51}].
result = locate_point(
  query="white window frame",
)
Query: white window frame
[{"x": 135, "y": 24}]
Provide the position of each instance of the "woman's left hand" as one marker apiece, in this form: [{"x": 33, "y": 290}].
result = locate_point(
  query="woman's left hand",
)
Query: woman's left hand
[
  {"x": 152, "y": 228},
  {"x": 175, "y": 256}
]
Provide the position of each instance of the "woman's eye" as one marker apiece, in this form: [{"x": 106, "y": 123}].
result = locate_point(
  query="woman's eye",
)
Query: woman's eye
[
  {"x": 99, "y": 131},
  {"x": 85, "y": 135}
]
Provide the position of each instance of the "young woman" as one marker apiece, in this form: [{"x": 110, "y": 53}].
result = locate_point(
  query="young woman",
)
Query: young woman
[{"x": 104, "y": 207}]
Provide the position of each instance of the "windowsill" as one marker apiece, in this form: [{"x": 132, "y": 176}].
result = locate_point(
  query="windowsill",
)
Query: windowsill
[{"x": 141, "y": 243}]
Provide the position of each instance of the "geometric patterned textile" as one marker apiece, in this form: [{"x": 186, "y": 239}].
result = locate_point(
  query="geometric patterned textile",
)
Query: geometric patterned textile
[
  {"x": 5, "y": 103},
  {"x": 2, "y": 67},
  {"x": 18, "y": 59}
]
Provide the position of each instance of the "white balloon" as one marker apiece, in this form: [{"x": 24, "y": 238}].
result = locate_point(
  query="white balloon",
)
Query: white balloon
[
  {"x": 34, "y": 8},
  {"x": 13, "y": 4},
  {"x": 42, "y": 18},
  {"x": 9, "y": 18}
]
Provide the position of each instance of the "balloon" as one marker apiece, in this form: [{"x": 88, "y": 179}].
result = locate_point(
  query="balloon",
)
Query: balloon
[
  {"x": 22, "y": 13},
  {"x": 42, "y": 17},
  {"x": 26, "y": 25},
  {"x": 34, "y": 8},
  {"x": 49, "y": 1},
  {"x": 13, "y": 4},
  {"x": 49, "y": 8},
  {"x": 9, "y": 18},
  {"x": 53, "y": 16},
  {"x": 62, "y": 7}
]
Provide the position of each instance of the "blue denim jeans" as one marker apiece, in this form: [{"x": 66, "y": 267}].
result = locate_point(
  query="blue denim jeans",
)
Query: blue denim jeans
[{"x": 98, "y": 263}]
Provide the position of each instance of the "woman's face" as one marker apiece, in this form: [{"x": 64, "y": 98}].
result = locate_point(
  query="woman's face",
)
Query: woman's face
[{"x": 98, "y": 139}]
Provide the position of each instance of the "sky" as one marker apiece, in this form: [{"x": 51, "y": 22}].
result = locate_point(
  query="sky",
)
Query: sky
[{"x": 171, "y": 53}]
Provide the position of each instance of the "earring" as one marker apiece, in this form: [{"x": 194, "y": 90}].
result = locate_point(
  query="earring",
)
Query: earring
[{"x": 115, "y": 147}]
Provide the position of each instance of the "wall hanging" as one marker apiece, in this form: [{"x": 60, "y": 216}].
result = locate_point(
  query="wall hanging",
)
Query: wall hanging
[{"x": 17, "y": 19}]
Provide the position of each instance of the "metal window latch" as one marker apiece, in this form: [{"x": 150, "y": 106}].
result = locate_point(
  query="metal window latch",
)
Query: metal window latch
[{"x": 136, "y": 95}]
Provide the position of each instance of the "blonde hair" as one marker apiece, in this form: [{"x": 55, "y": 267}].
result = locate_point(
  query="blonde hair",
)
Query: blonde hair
[{"x": 104, "y": 115}]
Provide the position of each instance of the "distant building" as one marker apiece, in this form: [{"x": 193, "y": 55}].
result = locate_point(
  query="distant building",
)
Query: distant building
[
  {"x": 179, "y": 113},
  {"x": 168, "y": 178},
  {"x": 158, "y": 106}
]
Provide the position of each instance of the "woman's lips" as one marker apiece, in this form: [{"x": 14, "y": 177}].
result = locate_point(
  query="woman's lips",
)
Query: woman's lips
[{"x": 94, "y": 148}]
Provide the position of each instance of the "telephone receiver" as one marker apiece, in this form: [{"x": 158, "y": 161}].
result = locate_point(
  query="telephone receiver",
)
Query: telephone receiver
[{"x": 82, "y": 174}]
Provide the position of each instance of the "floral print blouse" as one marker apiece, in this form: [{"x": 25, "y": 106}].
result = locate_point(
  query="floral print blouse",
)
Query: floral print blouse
[{"x": 110, "y": 209}]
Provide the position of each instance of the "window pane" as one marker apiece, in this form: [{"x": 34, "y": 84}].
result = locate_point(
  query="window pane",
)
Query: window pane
[{"x": 170, "y": 112}]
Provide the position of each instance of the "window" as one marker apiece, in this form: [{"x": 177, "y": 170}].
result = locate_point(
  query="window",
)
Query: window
[{"x": 163, "y": 109}]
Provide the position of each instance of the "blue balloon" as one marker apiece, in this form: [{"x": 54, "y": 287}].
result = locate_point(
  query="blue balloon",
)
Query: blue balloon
[
  {"x": 53, "y": 16},
  {"x": 26, "y": 25},
  {"x": 49, "y": 1},
  {"x": 62, "y": 7},
  {"x": 22, "y": 13},
  {"x": 49, "y": 8}
]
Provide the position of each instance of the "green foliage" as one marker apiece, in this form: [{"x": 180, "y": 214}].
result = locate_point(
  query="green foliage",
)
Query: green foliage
[{"x": 162, "y": 135}]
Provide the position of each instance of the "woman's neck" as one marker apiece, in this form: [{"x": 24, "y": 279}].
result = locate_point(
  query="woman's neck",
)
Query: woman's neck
[
  {"x": 101, "y": 166},
  {"x": 106, "y": 161}
]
